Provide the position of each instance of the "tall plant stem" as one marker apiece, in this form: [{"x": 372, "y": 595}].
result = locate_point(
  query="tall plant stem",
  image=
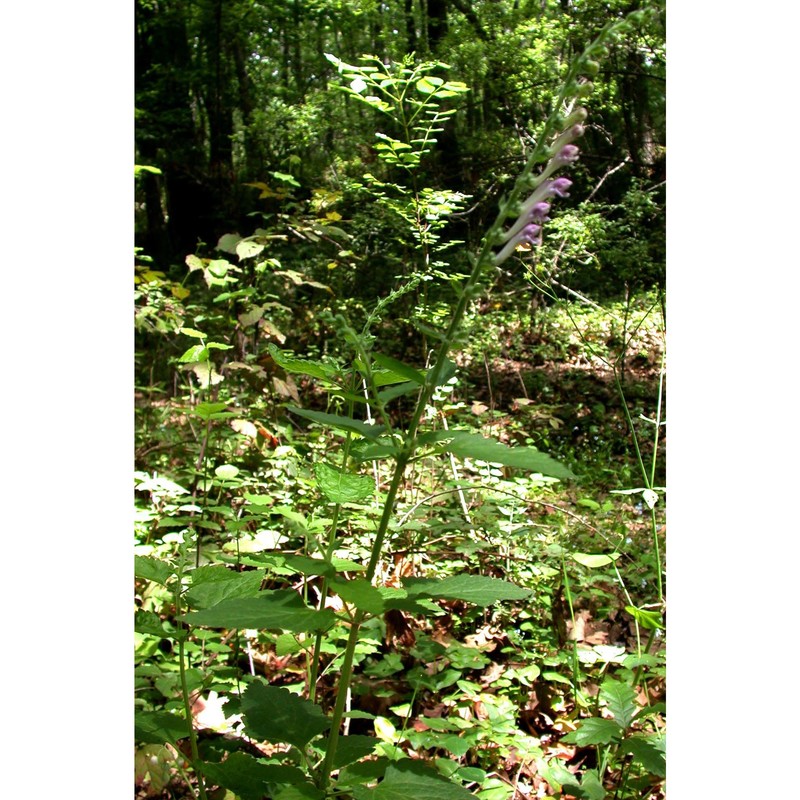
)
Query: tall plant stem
[
  {"x": 187, "y": 706},
  {"x": 481, "y": 265}
]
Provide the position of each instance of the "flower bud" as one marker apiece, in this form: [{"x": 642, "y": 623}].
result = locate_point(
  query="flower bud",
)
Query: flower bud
[
  {"x": 590, "y": 68},
  {"x": 577, "y": 116}
]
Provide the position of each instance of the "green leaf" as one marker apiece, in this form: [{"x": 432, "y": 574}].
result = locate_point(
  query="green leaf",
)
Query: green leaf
[
  {"x": 316, "y": 369},
  {"x": 192, "y": 332},
  {"x": 226, "y": 472},
  {"x": 360, "y": 593},
  {"x": 214, "y": 583},
  {"x": 285, "y": 178},
  {"x": 593, "y": 561},
  {"x": 152, "y": 569},
  {"x": 276, "y": 715},
  {"x": 248, "y": 777},
  {"x": 621, "y": 700},
  {"x": 478, "y": 589},
  {"x": 299, "y": 791},
  {"x": 594, "y": 730},
  {"x": 472, "y": 445},
  {"x": 208, "y": 410},
  {"x": 353, "y": 748},
  {"x": 227, "y": 243},
  {"x": 156, "y": 727},
  {"x": 148, "y": 622},
  {"x": 198, "y": 352},
  {"x": 407, "y": 780},
  {"x": 342, "y": 423},
  {"x": 282, "y": 609},
  {"x": 649, "y": 751},
  {"x": 401, "y": 370},
  {"x": 652, "y": 620},
  {"x": 248, "y": 248},
  {"x": 343, "y": 487},
  {"x": 302, "y": 564},
  {"x": 428, "y": 84},
  {"x": 590, "y": 786}
]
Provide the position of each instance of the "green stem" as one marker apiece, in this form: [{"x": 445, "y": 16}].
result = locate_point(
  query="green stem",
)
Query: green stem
[{"x": 187, "y": 706}]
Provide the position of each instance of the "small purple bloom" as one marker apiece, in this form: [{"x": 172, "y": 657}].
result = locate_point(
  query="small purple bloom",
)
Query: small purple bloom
[
  {"x": 530, "y": 234},
  {"x": 567, "y": 154},
  {"x": 539, "y": 212},
  {"x": 559, "y": 187}
]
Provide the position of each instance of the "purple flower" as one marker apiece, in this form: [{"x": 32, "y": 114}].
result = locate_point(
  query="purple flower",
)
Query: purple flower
[
  {"x": 559, "y": 187},
  {"x": 539, "y": 212},
  {"x": 530, "y": 234},
  {"x": 568, "y": 154}
]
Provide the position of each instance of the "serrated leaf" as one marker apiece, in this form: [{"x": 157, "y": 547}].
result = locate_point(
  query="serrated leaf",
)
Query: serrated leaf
[
  {"x": 248, "y": 777},
  {"x": 343, "y": 487},
  {"x": 152, "y": 569},
  {"x": 316, "y": 369},
  {"x": 478, "y": 589},
  {"x": 649, "y": 751},
  {"x": 148, "y": 622},
  {"x": 596, "y": 560},
  {"x": 276, "y": 715},
  {"x": 156, "y": 727},
  {"x": 360, "y": 593},
  {"x": 217, "y": 583},
  {"x": 594, "y": 730},
  {"x": 282, "y": 609},
  {"x": 353, "y": 748},
  {"x": 342, "y": 423},
  {"x": 621, "y": 700},
  {"x": 590, "y": 787},
  {"x": 409, "y": 779}
]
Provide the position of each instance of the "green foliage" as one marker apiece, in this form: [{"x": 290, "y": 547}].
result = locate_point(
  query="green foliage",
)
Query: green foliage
[{"x": 329, "y": 509}]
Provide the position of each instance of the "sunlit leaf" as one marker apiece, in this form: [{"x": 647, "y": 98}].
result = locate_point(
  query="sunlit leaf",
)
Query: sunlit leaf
[
  {"x": 226, "y": 472},
  {"x": 343, "y": 487},
  {"x": 594, "y": 730},
  {"x": 479, "y": 589},
  {"x": 596, "y": 560},
  {"x": 621, "y": 700},
  {"x": 282, "y": 609}
]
